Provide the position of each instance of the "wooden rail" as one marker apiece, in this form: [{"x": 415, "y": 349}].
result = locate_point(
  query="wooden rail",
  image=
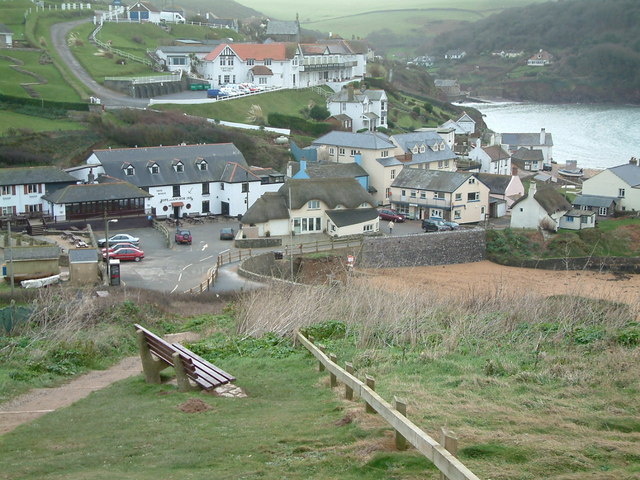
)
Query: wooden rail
[
  {"x": 450, "y": 467},
  {"x": 232, "y": 256}
]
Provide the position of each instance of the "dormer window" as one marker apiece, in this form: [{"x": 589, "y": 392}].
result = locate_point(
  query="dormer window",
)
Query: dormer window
[
  {"x": 154, "y": 168},
  {"x": 415, "y": 149},
  {"x": 442, "y": 146},
  {"x": 178, "y": 166},
  {"x": 128, "y": 169},
  {"x": 202, "y": 165},
  {"x": 422, "y": 148},
  {"x": 434, "y": 147}
]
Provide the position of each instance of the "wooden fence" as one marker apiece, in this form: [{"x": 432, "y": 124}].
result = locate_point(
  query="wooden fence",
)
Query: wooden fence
[
  {"x": 442, "y": 455},
  {"x": 117, "y": 51},
  {"x": 231, "y": 256}
]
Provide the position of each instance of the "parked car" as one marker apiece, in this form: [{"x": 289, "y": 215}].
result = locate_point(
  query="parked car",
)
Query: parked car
[
  {"x": 430, "y": 225},
  {"x": 118, "y": 245},
  {"x": 134, "y": 254},
  {"x": 120, "y": 237},
  {"x": 216, "y": 93},
  {"x": 451, "y": 225},
  {"x": 547, "y": 167},
  {"x": 389, "y": 214},
  {"x": 227, "y": 234},
  {"x": 183, "y": 236}
]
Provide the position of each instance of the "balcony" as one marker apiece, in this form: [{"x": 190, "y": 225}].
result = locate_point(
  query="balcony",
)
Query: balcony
[
  {"x": 422, "y": 202},
  {"x": 326, "y": 66}
]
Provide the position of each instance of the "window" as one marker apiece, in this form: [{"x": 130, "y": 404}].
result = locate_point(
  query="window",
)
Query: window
[
  {"x": 7, "y": 211},
  {"x": 422, "y": 149},
  {"x": 222, "y": 186},
  {"x": 403, "y": 193},
  {"x": 569, "y": 219},
  {"x": 456, "y": 215},
  {"x": 413, "y": 194},
  {"x": 415, "y": 149},
  {"x": 584, "y": 219},
  {"x": 203, "y": 166},
  {"x": 307, "y": 224},
  {"x": 177, "y": 60},
  {"x": 472, "y": 180},
  {"x": 393, "y": 174},
  {"x": 313, "y": 204},
  {"x": 603, "y": 211},
  {"x": 155, "y": 169},
  {"x": 473, "y": 196},
  {"x": 385, "y": 153},
  {"x": 245, "y": 187},
  {"x": 332, "y": 151},
  {"x": 251, "y": 61},
  {"x": 176, "y": 190},
  {"x": 227, "y": 79},
  {"x": 440, "y": 163},
  {"x": 438, "y": 195},
  {"x": 31, "y": 188},
  {"x": 423, "y": 195},
  {"x": 446, "y": 164},
  {"x": 219, "y": 79},
  {"x": 205, "y": 188},
  {"x": 458, "y": 197},
  {"x": 621, "y": 192},
  {"x": 404, "y": 209},
  {"x": 205, "y": 206},
  {"x": 387, "y": 193},
  {"x": 33, "y": 208},
  {"x": 341, "y": 151},
  {"x": 267, "y": 61},
  {"x": 354, "y": 152},
  {"x": 129, "y": 170},
  {"x": 7, "y": 190},
  {"x": 179, "y": 167},
  {"x": 368, "y": 228}
]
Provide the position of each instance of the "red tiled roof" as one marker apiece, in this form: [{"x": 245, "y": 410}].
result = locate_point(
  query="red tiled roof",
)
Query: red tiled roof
[{"x": 257, "y": 51}]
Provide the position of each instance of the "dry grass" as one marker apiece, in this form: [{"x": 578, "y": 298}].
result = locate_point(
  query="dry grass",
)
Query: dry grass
[{"x": 535, "y": 388}]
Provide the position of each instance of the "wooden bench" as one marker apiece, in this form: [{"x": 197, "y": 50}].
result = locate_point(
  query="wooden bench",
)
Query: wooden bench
[{"x": 157, "y": 354}]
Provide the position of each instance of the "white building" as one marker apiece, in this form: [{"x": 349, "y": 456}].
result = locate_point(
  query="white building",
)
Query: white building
[
  {"x": 543, "y": 141},
  {"x": 185, "y": 179},
  {"x": 492, "y": 159},
  {"x": 540, "y": 208},
  {"x": 366, "y": 110}
]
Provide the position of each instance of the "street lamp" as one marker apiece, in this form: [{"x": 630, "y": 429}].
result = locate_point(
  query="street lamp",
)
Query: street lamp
[{"x": 106, "y": 237}]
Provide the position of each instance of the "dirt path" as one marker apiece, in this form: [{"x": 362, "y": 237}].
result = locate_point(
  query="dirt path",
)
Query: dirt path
[{"x": 36, "y": 403}]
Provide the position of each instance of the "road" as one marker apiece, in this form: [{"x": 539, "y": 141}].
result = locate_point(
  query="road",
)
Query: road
[{"x": 111, "y": 98}]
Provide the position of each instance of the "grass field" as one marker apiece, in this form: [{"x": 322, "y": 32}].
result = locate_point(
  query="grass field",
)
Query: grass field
[{"x": 16, "y": 121}]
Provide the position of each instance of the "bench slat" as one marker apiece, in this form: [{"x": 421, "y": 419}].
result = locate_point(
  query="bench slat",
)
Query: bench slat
[{"x": 206, "y": 368}]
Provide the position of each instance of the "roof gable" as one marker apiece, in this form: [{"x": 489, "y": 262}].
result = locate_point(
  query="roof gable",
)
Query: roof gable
[
  {"x": 346, "y": 192},
  {"x": 628, "y": 172}
]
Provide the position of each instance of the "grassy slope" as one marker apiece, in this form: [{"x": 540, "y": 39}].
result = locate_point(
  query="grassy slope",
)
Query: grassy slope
[{"x": 11, "y": 120}]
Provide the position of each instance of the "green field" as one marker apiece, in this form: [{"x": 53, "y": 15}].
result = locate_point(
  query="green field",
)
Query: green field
[{"x": 11, "y": 121}]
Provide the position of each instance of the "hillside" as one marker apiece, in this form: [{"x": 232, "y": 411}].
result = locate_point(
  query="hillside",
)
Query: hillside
[{"x": 594, "y": 43}]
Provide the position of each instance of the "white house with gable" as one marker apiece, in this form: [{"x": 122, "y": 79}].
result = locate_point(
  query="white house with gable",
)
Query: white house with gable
[{"x": 366, "y": 110}]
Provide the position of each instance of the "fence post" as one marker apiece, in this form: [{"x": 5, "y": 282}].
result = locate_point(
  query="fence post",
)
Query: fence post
[
  {"x": 240, "y": 255},
  {"x": 401, "y": 407},
  {"x": 348, "y": 391},
  {"x": 322, "y": 348},
  {"x": 450, "y": 442},
  {"x": 332, "y": 376},
  {"x": 371, "y": 383}
]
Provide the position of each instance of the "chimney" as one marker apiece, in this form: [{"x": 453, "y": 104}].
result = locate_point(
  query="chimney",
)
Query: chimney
[
  {"x": 532, "y": 189},
  {"x": 90, "y": 177},
  {"x": 633, "y": 161},
  {"x": 543, "y": 136},
  {"x": 358, "y": 158},
  {"x": 514, "y": 171},
  {"x": 303, "y": 166}
]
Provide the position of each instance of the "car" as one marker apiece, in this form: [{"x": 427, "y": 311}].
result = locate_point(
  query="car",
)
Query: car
[
  {"x": 227, "y": 234},
  {"x": 547, "y": 167},
  {"x": 183, "y": 236},
  {"x": 451, "y": 225},
  {"x": 389, "y": 214},
  {"x": 118, "y": 238},
  {"x": 216, "y": 93},
  {"x": 118, "y": 245},
  {"x": 430, "y": 225},
  {"x": 134, "y": 254}
]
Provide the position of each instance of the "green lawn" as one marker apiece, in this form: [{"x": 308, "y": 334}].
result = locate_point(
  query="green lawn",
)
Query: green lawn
[{"x": 10, "y": 120}]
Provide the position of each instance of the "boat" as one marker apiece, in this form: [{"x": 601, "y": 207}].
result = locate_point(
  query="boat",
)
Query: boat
[{"x": 572, "y": 173}]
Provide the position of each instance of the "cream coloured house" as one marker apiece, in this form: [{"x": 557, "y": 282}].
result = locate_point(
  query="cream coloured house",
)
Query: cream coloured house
[
  {"x": 456, "y": 196},
  {"x": 335, "y": 206},
  {"x": 620, "y": 185}
]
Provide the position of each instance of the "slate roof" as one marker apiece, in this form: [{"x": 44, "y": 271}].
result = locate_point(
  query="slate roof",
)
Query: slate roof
[
  {"x": 235, "y": 173},
  {"x": 352, "y": 216},
  {"x": 407, "y": 141},
  {"x": 346, "y": 192},
  {"x": 270, "y": 206},
  {"x": 496, "y": 152},
  {"x": 628, "y": 172},
  {"x": 27, "y": 175},
  {"x": 280, "y": 27},
  {"x": 550, "y": 199},
  {"x": 344, "y": 95},
  {"x": 217, "y": 157},
  {"x": 497, "y": 184},
  {"x": 188, "y": 48},
  {"x": 430, "y": 180},
  {"x": 261, "y": 70},
  {"x": 35, "y": 253},
  {"x": 94, "y": 192},
  {"x": 365, "y": 140},
  {"x": 594, "y": 201},
  {"x": 528, "y": 155},
  {"x": 526, "y": 139},
  {"x": 142, "y": 6},
  {"x": 83, "y": 255},
  {"x": 335, "y": 170}
]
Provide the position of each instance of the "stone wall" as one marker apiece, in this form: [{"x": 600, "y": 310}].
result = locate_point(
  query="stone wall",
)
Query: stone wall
[
  {"x": 258, "y": 242},
  {"x": 265, "y": 267},
  {"x": 425, "y": 249}
]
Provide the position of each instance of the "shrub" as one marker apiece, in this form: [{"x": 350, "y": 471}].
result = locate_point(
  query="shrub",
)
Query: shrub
[{"x": 319, "y": 112}]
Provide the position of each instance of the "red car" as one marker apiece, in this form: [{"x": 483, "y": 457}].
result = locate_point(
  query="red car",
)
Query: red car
[
  {"x": 388, "y": 214},
  {"x": 183, "y": 236},
  {"x": 116, "y": 246},
  {"x": 134, "y": 254}
]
